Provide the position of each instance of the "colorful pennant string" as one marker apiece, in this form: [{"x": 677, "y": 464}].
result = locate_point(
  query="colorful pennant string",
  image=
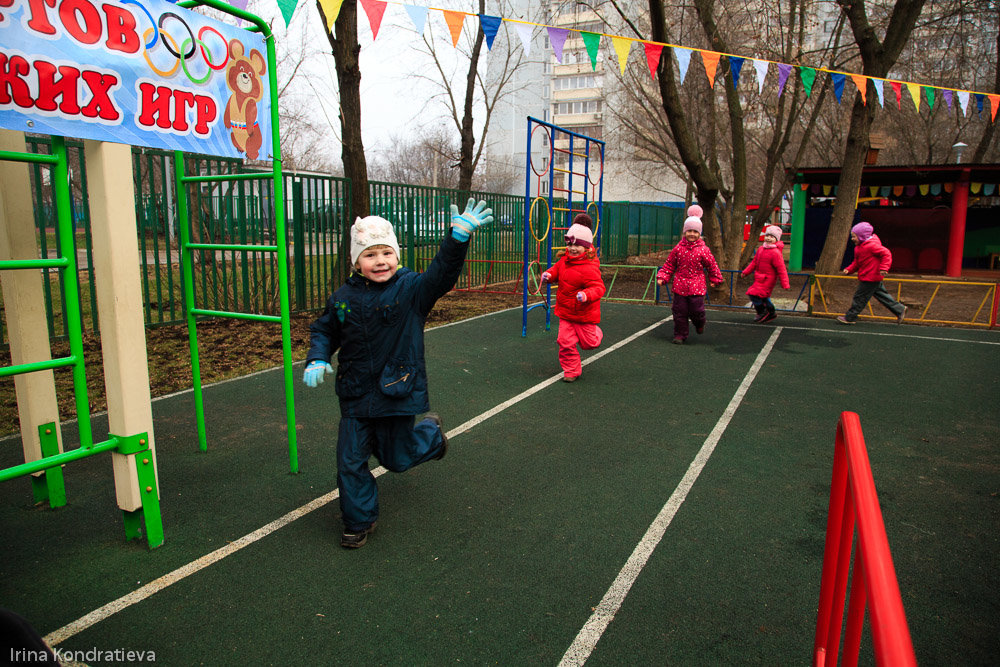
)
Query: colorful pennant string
[{"x": 490, "y": 25}]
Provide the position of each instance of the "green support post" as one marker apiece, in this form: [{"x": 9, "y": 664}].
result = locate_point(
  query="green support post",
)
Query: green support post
[
  {"x": 798, "y": 226},
  {"x": 138, "y": 446},
  {"x": 55, "y": 486},
  {"x": 298, "y": 238}
]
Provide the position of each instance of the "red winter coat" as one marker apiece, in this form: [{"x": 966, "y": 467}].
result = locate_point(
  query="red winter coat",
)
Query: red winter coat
[
  {"x": 579, "y": 274},
  {"x": 870, "y": 259},
  {"x": 687, "y": 264},
  {"x": 767, "y": 266}
]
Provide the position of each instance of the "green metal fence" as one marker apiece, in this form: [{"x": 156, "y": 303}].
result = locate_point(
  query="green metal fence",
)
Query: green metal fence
[{"x": 242, "y": 213}]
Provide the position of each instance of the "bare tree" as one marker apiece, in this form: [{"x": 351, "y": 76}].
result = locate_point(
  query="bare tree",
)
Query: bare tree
[
  {"x": 481, "y": 89},
  {"x": 877, "y": 57}
]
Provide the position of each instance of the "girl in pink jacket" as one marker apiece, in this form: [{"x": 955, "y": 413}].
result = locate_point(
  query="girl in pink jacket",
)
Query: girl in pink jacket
[
  {"x": 578, "y": 298},
  {"x": 687, "y": 264},
  {"x": 768, "y": 267},
  {"x": 872, "y": 261}
]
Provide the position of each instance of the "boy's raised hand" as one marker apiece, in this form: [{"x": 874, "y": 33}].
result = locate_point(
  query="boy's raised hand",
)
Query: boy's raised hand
[
  {"x": 315, "y": 370},
  {"x": 474, "y": 217}
]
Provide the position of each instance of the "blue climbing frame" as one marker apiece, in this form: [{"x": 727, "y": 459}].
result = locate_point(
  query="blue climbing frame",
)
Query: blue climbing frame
[{"x": 586, "y": 198}]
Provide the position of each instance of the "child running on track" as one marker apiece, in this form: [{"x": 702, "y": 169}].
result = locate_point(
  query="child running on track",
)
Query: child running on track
[
  {"x": 578, "y": 297},
  {"x": 768, "y": 267},
  {"x": 686, "y": 265},
  {"x": 872, "y": 261},
  {"x": 376, "y": 320}
]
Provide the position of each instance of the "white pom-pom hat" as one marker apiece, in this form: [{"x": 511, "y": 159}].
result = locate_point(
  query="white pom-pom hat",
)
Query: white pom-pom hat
[{"x": 372, "y": 231}]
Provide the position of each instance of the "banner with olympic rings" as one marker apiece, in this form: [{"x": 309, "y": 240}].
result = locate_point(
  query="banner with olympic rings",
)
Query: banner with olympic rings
[{"x": 139, "y": 72}]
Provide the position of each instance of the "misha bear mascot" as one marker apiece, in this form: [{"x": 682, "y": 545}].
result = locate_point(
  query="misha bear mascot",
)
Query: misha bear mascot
[{"x": 244, "y": 78}]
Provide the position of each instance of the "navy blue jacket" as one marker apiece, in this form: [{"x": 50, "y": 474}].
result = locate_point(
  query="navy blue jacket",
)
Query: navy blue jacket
[{"x": 379, "y": 330}]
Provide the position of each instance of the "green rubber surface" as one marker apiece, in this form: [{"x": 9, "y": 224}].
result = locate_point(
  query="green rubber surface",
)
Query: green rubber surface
[{"x": 499, "y": 553}]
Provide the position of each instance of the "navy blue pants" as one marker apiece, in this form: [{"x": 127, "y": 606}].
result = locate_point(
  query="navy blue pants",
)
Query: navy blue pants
[
  {"x": 761, "y": 304},
  {"x": 398, "y": 445}
]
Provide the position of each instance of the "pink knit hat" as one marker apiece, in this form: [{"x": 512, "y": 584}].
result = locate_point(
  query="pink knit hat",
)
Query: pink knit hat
[
  {"x": 580, "y": 235},
  {"x": 692, "y": 223},
  {"x": 773, "y": 230},
  {"x": 863, "y": 230}
]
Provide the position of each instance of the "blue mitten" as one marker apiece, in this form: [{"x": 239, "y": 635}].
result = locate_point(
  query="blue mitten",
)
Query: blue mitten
[
  {"x": 315, "y": 370},
  {"x": 474, "y": 217}
]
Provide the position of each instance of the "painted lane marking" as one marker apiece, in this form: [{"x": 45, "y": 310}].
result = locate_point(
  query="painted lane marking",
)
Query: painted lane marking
[{"x": 604, "y": 613}]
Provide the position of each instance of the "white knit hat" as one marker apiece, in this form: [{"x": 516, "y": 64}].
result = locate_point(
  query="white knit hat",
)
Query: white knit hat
[
  {"x": 579, "y": 235},
  {"x": 692, "y": 223},
  {"x": 371, "y": 231},
  {"x": 773, "y": 230}
]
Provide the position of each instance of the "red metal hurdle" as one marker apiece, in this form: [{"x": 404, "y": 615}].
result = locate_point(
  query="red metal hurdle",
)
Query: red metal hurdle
[{"x": 853, "y": 501}]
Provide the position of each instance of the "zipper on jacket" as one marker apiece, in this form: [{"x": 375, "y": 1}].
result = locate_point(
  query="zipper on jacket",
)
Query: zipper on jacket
[{"x": 402, "y": 379}]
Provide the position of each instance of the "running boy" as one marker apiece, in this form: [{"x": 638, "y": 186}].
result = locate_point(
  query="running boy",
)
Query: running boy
[{"x": 376, "y": 321}]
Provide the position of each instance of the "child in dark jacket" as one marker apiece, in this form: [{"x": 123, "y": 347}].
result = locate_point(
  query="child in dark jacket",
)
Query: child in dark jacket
[
  {"x": 768, "y": 267},
  {"x": 376, "y": 321},
  {"x": 872, "y": 261},
  {"x": 578, "y": 298},
  {"x": 687, "y": 264}
]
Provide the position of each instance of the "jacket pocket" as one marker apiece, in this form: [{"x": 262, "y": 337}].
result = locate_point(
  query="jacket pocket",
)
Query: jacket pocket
[
  {"x": 348, "y": 384},
  {"x": 398, "y": 379}
]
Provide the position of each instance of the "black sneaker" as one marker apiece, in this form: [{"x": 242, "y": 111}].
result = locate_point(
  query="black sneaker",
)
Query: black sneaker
[
  {"x": 436, "y": 418},
  {"x": 700, "y": 330},
  {"x": 355, "y": 539}
]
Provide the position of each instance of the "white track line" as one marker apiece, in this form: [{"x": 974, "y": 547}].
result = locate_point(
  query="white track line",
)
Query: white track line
[
  {"x": 847, "y": 329},
  {"x": 604, "y": 613},
  {"x": 62, "y": 634}
]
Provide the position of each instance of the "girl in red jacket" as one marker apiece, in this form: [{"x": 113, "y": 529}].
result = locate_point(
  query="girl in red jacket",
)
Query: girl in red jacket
[
  {"x": 768, "y": 267},
  {"x": 872, "y": 261},
  {"x": 687, "y": 264},
  {"x": 578, "y": 298}
]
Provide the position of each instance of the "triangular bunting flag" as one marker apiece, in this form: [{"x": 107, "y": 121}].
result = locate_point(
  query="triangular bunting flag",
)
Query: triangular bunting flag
[
  {"x": 838, "y": 84},
  {"x": 994, "y": 101},
  {"x": 827, "y": 189},
  {"x": 914, "y": 89},
  {"x": 925, "y": 188},
  {"x": 735, "y": 65},
  {"x": 331, "y": 9},
  {"x": 557, "y": 37},
  {"x": 989, "y": 188},
  {"x": 489, "y": 25},
  {"x": 897, "y": 190},
  {"x": 884, "y": 191},
  {"x": 873, "y": 191},
  {"x": 622, "y": 47},
  {"x": 524, "y": 31},
  {"x": 711, "y": 61},
  {"x": 974, "y": 187},
  {"x": 653, "y": 53},
  {"x": 808, "y": 76},
  {"x": 287, "y": 8},
  {"x": 417, "y": 14},
  {"x": 947, "y": 96},
  {"x": 592, "y": 41},
  {"x": 948, "y": 187},
  {"x": 980, "y": 98},
  {"x": 783, "y": 71},
  {"x": 761, "y": 67},
  {"x": 929, "y": 95},
  {"x": 683, "y": 60},
  {"x": 375, "y": 10},
  {"x": 861, "y": 81},
  {"x": 879, "y": 83},
  {"x": 936, "y": 189},
  {"x": 963, "y": 101},
  {"x": 898, "y": 87},
  {"x": 454, "y": 21}
]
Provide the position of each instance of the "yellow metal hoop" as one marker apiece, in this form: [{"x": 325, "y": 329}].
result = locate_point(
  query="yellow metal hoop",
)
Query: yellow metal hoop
[
  {"x": 531, "y": 217},
  {"x": 596, "y": 217}
]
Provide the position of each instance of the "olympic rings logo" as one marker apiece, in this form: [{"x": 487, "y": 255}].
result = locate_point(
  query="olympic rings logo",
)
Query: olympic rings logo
[{"x": 157, "y": 35}]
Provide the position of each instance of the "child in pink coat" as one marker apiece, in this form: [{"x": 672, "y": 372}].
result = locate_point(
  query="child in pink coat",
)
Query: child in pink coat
[
  {"x": 872, "y": 261},
  {"x": 768, "y": 267},
  {"x": 578, "y": 298},
  {"x": 686, "y": 265}
]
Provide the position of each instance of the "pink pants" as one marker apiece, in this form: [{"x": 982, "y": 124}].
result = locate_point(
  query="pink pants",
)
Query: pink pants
[{"x": 588, "y": 336}]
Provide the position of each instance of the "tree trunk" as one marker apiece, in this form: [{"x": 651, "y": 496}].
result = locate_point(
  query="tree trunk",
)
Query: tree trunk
[
  {"x": 468, "y": 138},
  {"x": 990, "y": 131},
  {"x": 345, "y": 55}
]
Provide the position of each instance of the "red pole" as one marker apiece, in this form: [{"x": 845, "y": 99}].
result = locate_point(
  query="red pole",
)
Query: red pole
[{"x": 956, "y": 233}]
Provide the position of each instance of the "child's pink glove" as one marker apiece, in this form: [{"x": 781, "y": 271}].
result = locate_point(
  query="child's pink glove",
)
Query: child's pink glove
[
  {"x": 546, "y": 277},
  {"x": 581, "y": 297}
]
